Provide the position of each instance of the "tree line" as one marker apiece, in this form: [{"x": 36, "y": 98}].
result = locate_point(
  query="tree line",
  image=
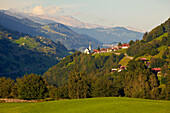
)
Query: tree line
[{"x": 136, "y": 81}]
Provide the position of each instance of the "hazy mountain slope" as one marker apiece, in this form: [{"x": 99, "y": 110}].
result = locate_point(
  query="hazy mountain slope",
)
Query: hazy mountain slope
[
  {"x": 29, "y": 16},
  {"x": 20, "y": 53},
  {"x": 70, "y": 21},
  {"x": 107, "y": 35},
  {"x": 56, "y": 31}
]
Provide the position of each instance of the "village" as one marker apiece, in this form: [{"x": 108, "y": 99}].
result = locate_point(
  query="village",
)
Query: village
[{"x": 125, "y": 46}]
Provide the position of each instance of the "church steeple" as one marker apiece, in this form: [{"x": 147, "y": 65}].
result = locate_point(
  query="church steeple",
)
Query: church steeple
[{"x": 90, "y": 46}]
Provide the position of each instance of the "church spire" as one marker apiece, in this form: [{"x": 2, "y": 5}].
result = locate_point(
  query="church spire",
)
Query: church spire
[{"x": 90, "y": 46}]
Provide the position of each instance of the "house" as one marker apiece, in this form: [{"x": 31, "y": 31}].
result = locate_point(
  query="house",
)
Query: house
[
  {"x": 23, "y": 44},
  {"x": 109, "y": 49},
  {"x": 26, "y": 37},
  {"x": 156, "y": 70},
  {"x": 121, "y": 68},
  {"x": 143, "y": 59},
  {"x": 147, "y": 64},
  {"x": 95, "y": 50},
  {"x": 120, "y": 47},
  {"x": 44, "y": 42},
  {"x": 115, "y": 49},
  {"x": 125, "y": 46},
  {"x": 103, "y": 50},
  {"x": 113, "y": 70}
]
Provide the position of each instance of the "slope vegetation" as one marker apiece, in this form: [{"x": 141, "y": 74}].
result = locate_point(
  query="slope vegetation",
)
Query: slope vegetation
[{"x": 20, "y": 53}]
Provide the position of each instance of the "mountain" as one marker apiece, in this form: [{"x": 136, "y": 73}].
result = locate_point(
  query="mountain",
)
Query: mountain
[
  {"x": 20, "y": 15},
  {"x": 134, "y": 29},
  {"x": 71, "y": 21},
  {"x": 21, "y": 53},
  {"x": 43, "y": 19},
  {"x": 54, "y": 31},
  {"x": 107, "y": 35}
]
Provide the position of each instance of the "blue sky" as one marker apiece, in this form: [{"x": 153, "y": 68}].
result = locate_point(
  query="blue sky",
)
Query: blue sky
[{"x": 141, "y": 14}]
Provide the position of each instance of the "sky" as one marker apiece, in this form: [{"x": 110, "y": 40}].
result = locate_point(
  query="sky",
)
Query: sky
[{"x": 140, "y": 14}]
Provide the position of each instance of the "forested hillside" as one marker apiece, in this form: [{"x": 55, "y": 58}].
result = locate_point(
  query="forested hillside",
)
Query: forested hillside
[
  {"x": 91, "y": 65},
  {"x": 82, "y": 76},
  {"x": 154, "y": 46},
  {"x": 21, "y": 53}
]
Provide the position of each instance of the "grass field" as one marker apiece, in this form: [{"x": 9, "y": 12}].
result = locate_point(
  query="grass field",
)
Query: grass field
[
  {"x": 92, "y": 105},
  {"x": 124, "y": 61}
]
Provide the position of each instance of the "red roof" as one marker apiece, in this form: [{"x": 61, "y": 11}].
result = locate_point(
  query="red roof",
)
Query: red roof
[
  {"x": 144, "y": 59},
  {"x": 156, "y": 69},
  {"x": 95, "y": 50},
  {"x": 115, "y": 48},
  {"x": 103, "y": 49},
  {"x": 125, "y": 45}
]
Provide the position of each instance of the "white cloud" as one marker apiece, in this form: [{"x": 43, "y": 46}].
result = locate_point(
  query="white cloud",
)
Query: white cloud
[
  {"x": 38, "y": 10},
  {"x": 51, "y": 10}
]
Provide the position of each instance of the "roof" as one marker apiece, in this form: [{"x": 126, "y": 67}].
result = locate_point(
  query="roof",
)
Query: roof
[
  {"x": 125, "y": 45},
  {"x": 122, "y": 67},
  {"x": 144, "y": 59},
  {"x": 95, "y": 50},
  {"x": 115, "y": 48},
  {"x": 103, "y": 49},
  {"x": 156, "y": 69}
]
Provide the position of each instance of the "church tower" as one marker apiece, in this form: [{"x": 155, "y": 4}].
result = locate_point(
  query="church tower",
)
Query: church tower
[{"x": 90, "y": 46}]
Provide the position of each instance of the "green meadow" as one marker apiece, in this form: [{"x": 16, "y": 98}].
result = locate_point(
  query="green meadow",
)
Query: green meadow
[{"x": 91, "y": 105}]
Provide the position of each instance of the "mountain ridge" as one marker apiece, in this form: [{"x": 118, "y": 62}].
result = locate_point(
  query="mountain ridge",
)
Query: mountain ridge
[{"x": 66, "y": 37}]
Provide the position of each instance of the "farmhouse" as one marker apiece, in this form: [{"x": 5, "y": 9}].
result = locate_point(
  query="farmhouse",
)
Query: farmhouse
[
  {"x": 113, "y": 70},
  {"x": 125, "y": 46},
  {"x": 143, "y": 59},
  {"x": 103, "y": 50},
  {"x": 115, "y": 48},
  {"x": 122, "y": 68},
  {"x": 109, "y": 49},
  {"x": 95, "y": 51},
  {"x": 156, "y": 70}
]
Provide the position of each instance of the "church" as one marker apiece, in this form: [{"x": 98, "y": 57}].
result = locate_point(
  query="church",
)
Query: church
[{"x": 88, "y": 50}]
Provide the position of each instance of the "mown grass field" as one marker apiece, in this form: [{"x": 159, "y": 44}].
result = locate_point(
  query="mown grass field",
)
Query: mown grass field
[{"x": 92, "y": 105}]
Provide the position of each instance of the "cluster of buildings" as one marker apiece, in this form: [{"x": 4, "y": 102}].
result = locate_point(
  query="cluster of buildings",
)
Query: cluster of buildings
[
  {"x": 154, "y": 70},
  {"x": 110, "y": 49},
  {"x": 115, "y": 48},
  {"x": 104, "y": 50}
]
